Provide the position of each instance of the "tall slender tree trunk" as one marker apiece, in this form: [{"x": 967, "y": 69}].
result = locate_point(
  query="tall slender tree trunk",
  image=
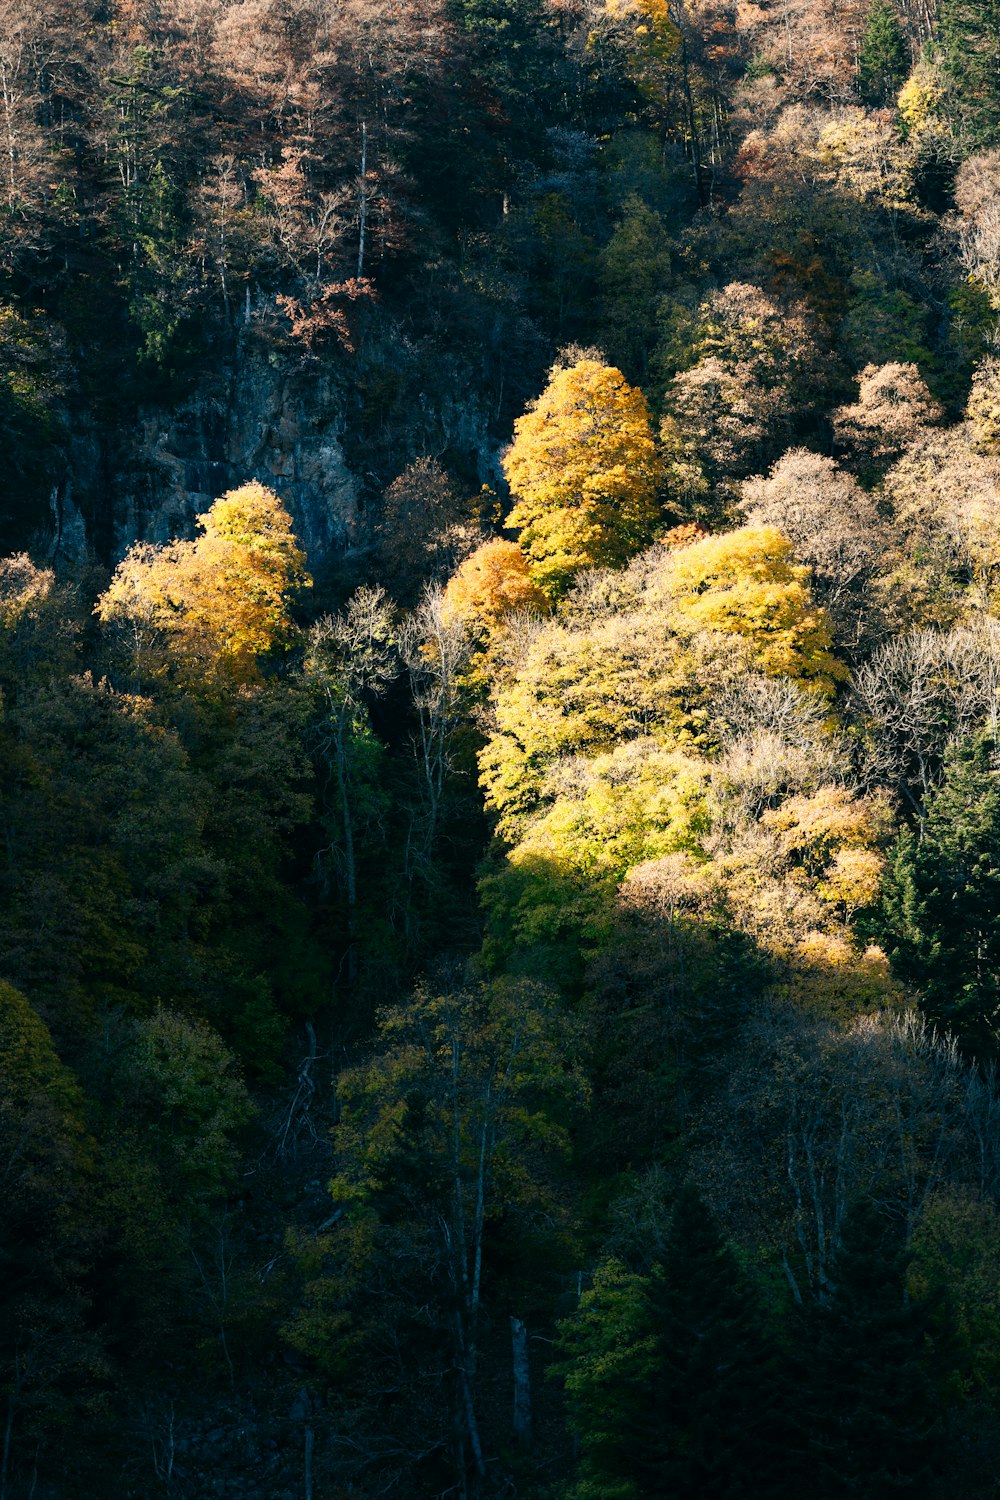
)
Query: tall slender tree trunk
[
  {"x": 522, "y": 1381},
  {"x": 363, "y": 199}
]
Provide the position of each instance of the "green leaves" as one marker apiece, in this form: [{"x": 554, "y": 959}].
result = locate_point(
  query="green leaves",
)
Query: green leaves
[{"x": 941, "y": 909}]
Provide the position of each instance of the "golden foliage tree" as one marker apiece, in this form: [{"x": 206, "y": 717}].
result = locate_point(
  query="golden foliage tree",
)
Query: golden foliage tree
[
  {"x": 493, "y": 583},
  {"x": 584, "y": 471},
  {"x": 982, "y": 411},
  {"x": 746, "y": 584},
  {"x": 216, "y": 605}
]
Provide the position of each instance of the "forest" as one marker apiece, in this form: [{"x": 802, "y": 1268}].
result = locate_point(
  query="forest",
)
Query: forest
[{"x": 500, "y": 749}]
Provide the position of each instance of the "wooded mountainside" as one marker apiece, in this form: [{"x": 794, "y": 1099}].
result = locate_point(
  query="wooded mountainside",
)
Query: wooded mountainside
[{"x": 499, "y": 702}]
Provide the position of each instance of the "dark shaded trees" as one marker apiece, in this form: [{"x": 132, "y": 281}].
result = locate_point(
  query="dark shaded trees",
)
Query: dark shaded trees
[
  {"x": 872, "y": 1411},
  {"x": 942, "y": 896}
]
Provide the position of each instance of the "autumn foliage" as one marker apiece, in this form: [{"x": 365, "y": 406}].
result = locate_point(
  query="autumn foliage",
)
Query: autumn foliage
[
  {"x": 495, "y": 581},
  {"x": 584, "y": 471},
  {"x": 219, "y": 603}
]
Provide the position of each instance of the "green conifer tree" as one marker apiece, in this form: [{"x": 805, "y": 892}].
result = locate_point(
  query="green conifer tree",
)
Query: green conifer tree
[
  {"x": 715, "y": 1418},
  {"x": 869, "y": 1404},
  {"x": 884, "y": 57},
  {"x": 969, "y": 34},
  {"x": 941, "y": 901}
]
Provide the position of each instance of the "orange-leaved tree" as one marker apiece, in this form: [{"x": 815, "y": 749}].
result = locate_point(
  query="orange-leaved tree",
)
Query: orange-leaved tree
[
  {"x": 584, "y": 471},
  {"x": 494, "y": 582}
]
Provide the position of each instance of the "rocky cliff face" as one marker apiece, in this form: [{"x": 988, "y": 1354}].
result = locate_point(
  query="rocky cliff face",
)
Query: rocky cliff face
[
  {"x": 327, "y": 436},
  {"x": 257, "y": 419}
]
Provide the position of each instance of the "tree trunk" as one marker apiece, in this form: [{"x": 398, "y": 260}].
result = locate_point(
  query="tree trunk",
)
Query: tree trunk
[
  {"x": 363, "y": 199},
  {"x": 522, "y": 1382},
  {"x": 350, "y": 867}
]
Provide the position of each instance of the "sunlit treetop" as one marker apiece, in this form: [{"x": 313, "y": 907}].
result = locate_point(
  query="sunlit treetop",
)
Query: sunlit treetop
[
  {"x": 493, "y": 583},
  {"x": 216, "y": 605},
  {"x": 22, "y": 587},
  {"x": 746, "y": 583},
  {"x": 584, "y": 471}
]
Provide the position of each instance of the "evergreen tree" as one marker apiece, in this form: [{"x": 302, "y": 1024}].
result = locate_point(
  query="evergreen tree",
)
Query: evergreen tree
[
  {"x": 884, "y": 57},
  {"x": 868, "y": 1397},
  {"x": 674, "y": 1387},
  {"x": 969, "y": 33},
  {"x": 715, "y": 1417},
  {"x": 610, "y": 1357},
  {"x": 941, "y": 901}
]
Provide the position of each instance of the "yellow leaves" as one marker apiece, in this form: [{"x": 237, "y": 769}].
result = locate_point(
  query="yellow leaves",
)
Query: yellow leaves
[
  {"x": 796, "y": 880},
  {"x": 919, "y": 100},
  {"x": 745, "y": 584},
  {"x": 655, "y": 41},
  {"x": 584, "y": 471},
  {"x": 854, "y": 880},
  {"x": 253, "y": 517},
  {"x": 23, "y": 586},
  {"x": 814, "y": 829},
  {"x": 641, "y": 802},
  {"x": 830, "y": 978},
  {"x": 215, "y": 605},
  {"x": 594, "y": 766},
  {"x": 982, "y": 411},
  {"x": 831, "y": 844},
  {"x": 577, "y": 692},
  {"x": 945, "y": 494}
]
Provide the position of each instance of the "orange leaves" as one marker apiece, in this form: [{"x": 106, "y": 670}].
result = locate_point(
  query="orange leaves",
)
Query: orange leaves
[{"x": 493, "y": 583}]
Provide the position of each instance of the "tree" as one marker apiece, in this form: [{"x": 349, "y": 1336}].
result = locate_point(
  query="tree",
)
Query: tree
[
  {"x": 446, "y": 1145},
  {"x": 714, "y": 1424},
  {"x": 633, "y": 275},
  {"x": 834, "y": 527},
  {"x": 608, "y": 1351},
  {"x": 894, "y": 409},
  {"x": 977, "y": 220},
  {"x": 214, "y": 607},
  {"x": 435, "y": 648},
  {"x": 982, "y": 411},
  {"x": 584, "y": 472},
  {"x": 920, "y": 693},
  {"x": 673, "y": 1386},
  {"x": 494, "y": 582},
  {"x": 31, "y": 383},
  {"x": 349, "y": 663},
  {"x": 749, "y": 370},
  {"x": 883, "y": 57},
  {"x": 872, "y": 1436},
  {"x": 969, "y": 33},
  {"x": 745, "y": 584},
  {"x": 942, "y": 895},
  {"x": 945, "y": 504},
  {"x": 50, "y": 1361},
  {"x": 425, "y": 530}
]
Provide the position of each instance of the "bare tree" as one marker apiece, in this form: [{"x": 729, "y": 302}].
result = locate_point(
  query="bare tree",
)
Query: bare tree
[
  {"x": 834, "y": 526},
  {"x": 435, "y": 647},
  {"x": 919, "y": 693}
]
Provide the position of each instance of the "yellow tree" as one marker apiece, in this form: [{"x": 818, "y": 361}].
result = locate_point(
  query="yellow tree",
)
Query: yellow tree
[
  {"x": 584, "y": 471},
  {"x": 746, "y": 584},
  {"x": 216, "y": 605}
]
